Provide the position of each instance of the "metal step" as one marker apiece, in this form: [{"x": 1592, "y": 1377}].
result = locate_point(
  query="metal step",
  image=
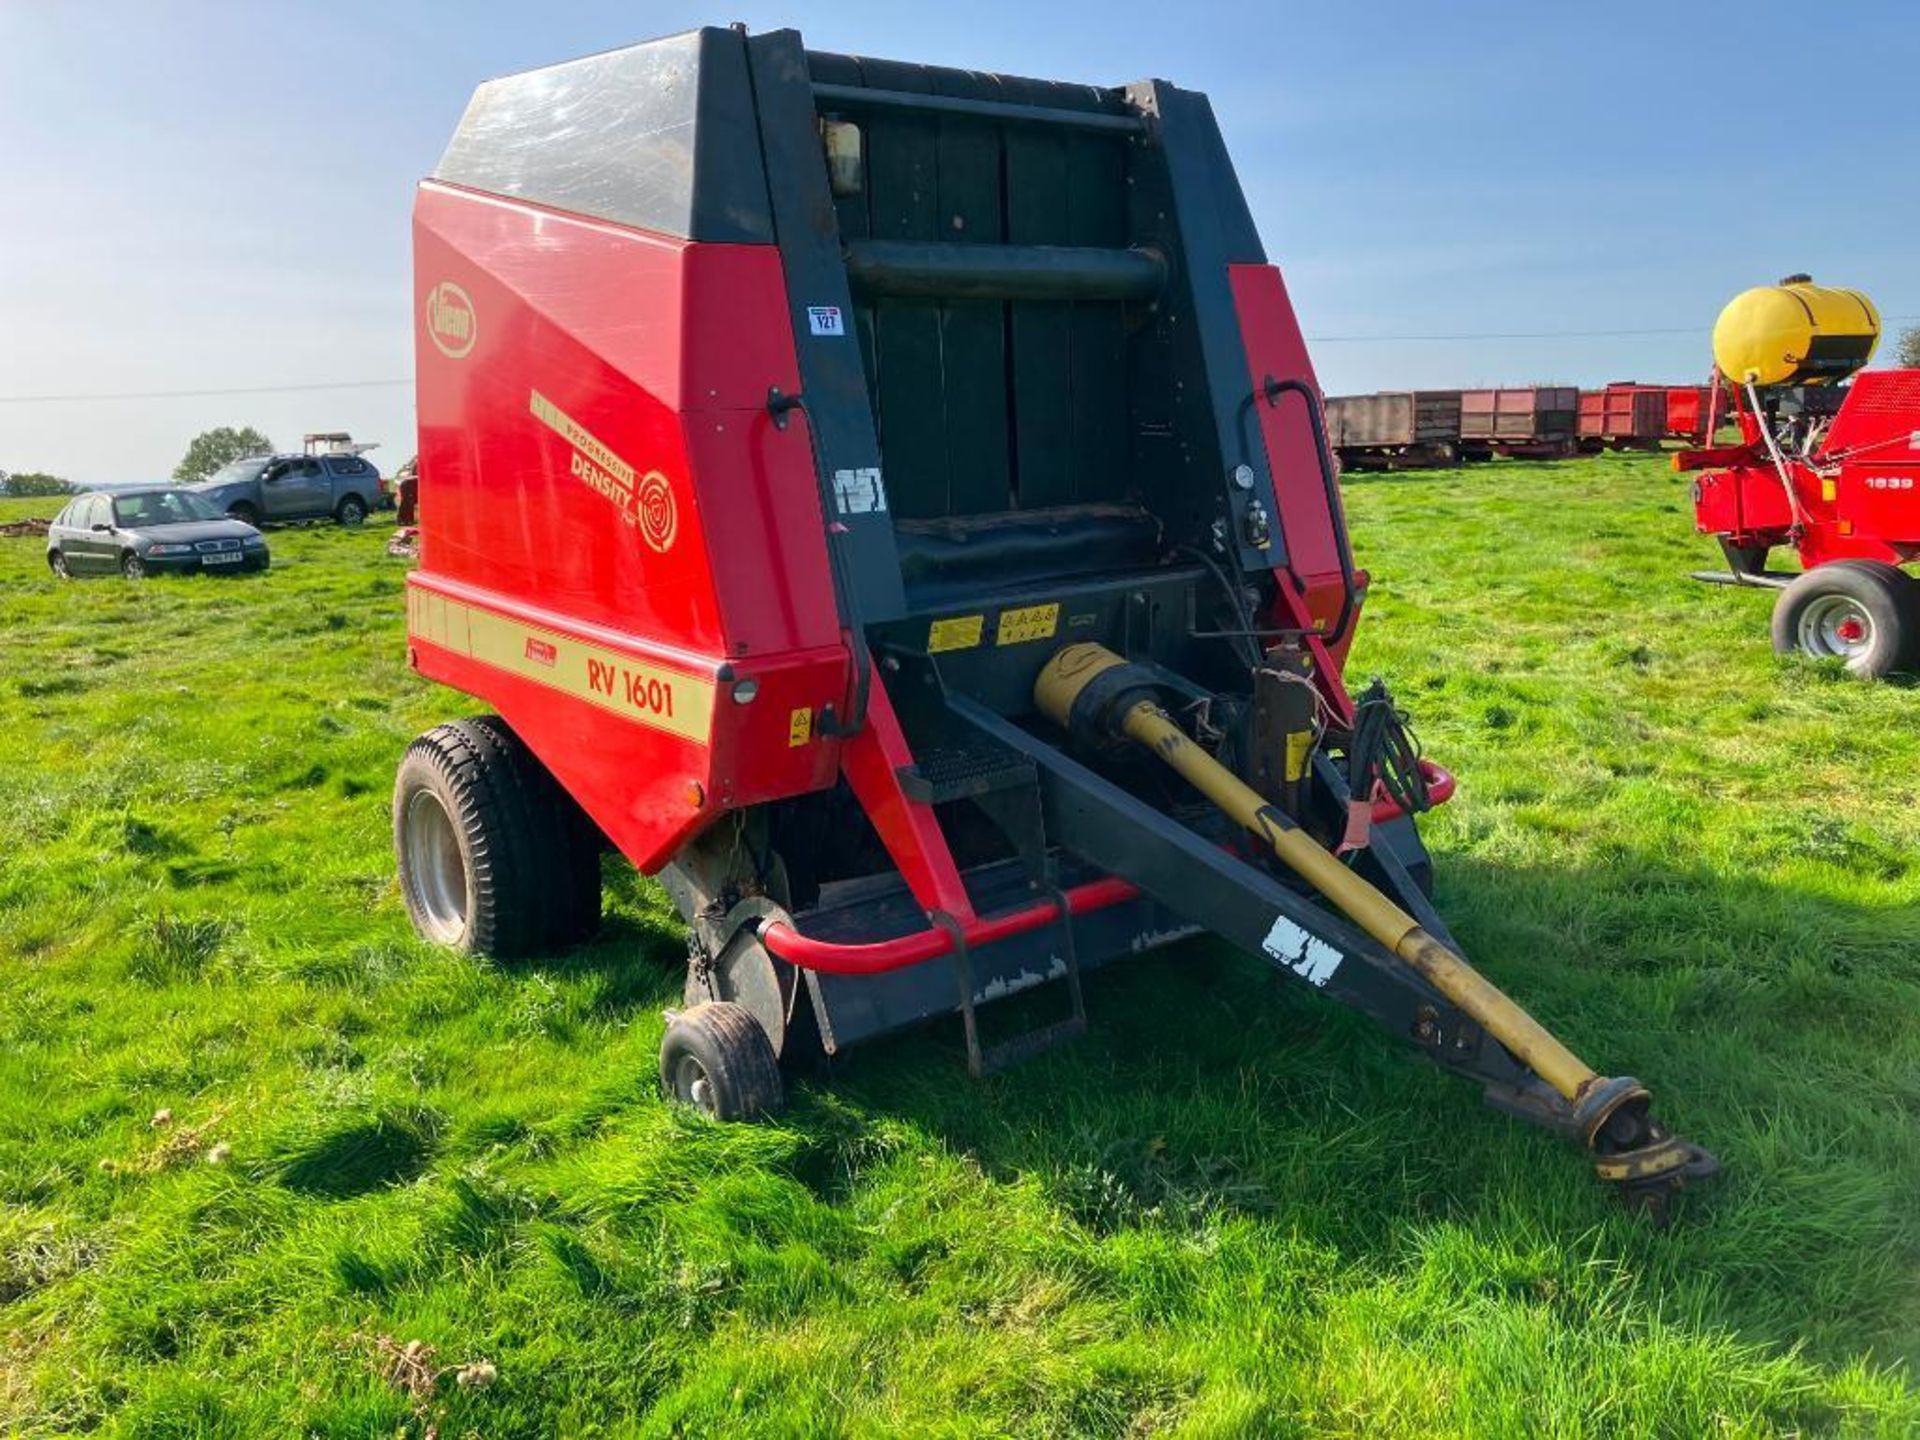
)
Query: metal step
[
  {"x": 954, "y": 772},
  {"x": 987, "y": 1059}
]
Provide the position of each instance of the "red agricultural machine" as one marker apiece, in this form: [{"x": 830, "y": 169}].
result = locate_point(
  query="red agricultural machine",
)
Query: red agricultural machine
[
  {"x": 1828, "y": 463},
  {"x": 892, "y": 505}
]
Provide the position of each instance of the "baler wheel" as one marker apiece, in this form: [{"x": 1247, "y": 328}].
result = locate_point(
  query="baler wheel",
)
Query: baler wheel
[
  {"x": 1864, "y": 612},
  {"x": 716, "y": 1058},
  {"x": 493, "y": 857},
  {"x": 571, "y": 845}
]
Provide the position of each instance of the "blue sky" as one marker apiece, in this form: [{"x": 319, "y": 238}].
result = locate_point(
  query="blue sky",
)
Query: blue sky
[{"x": 207, "y": 194}]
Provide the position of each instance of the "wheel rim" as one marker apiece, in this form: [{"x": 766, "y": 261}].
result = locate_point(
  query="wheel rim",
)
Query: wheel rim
[
  {"x": 1836, "y": 625},
  {"x": 435, "y": 869},
  {"x": 134, "y": 567},
  {"x": 351, "y": 513},
  {"x": 692, "y": 1085},
  {"x": 60, "y": 564}
]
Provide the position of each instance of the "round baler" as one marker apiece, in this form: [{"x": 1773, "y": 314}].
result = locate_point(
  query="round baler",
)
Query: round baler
[{"x": 891, "y": 504}]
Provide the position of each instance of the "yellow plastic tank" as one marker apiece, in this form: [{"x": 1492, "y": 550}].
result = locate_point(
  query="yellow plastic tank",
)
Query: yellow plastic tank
[{"x": 1795, "y": 333}]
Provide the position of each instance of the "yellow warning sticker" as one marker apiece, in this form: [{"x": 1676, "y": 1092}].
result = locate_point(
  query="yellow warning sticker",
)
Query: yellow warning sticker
[
  {"x": 1299, "y": 749},
  {"x": 1033, "y": 622},
  {"x": 962, "y": 632},
  {"x": 800, "y": 727}
]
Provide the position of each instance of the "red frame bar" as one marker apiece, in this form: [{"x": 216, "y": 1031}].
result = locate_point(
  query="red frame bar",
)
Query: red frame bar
[
  {"x": 903, "y": 950},
  {"x": 920, "y": 946}
]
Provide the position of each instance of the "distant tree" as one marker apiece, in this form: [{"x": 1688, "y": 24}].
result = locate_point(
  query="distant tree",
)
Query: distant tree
[
  {"x": 1908, "y": 353},
  {"x": 213, "y": 448},
  {"x": 33, "y": 482}
]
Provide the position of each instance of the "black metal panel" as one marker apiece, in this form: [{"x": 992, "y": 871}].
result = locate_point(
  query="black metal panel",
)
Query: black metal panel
[
  {"x": 658, "y": 135},
  {"x": 839, "y": 409},
  {"x": 1041, "y": 331},
  {"x": 901, "y": 180},
  {"x": 1190, "y": 438},
  {"x": 1021, "y": 416},
  {"x": 973, "y": 337},
  {"x": 1097, "y": 215}
]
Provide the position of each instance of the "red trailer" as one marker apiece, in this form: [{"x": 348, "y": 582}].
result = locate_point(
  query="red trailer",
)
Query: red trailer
[
  {"x": 1535, "y": 422},
  {"x": 1689, "y": 411},
  {"x": 892, "y": 504},
  {"x": 1393, "y": 429},
  {"x": 1623, "y": 416}
]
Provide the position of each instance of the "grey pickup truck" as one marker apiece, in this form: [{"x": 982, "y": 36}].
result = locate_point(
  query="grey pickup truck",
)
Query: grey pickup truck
[{"x": 294, "y": 487}]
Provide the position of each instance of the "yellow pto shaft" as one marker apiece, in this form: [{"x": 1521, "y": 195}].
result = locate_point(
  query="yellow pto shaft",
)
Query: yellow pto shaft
[{"x": 1143, "y": 721}]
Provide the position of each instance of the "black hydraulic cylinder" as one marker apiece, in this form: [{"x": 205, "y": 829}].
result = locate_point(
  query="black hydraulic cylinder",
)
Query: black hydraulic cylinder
[{"x": 931, "y": 270}]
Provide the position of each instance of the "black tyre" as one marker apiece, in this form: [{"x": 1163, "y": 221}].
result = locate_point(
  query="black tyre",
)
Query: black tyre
[
  {"x": 573, "y": 843},
  {"x": 244, "y": 513},
  {"x": 489, "y": 846},
  {"x": 57, "y": 562},
  {"x": 352, "y": 510},
  {"x": 132, "y": 566},
  {"x": 1861, "y": 611},
  {"x": 716, "y": 1058}
]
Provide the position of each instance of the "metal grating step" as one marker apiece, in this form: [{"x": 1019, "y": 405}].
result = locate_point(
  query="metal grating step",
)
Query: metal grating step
[{"x": 955, "y": 772}]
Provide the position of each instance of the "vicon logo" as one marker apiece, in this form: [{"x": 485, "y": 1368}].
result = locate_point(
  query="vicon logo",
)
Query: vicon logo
[{"x": 450, "y": 320}]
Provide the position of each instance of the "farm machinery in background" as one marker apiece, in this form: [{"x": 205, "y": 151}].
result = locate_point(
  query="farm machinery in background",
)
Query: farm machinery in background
[
  {"x": 1402, "y": 429},
  {"x": 1828, "y": 463},
  {"x": 892, "y": 504}
]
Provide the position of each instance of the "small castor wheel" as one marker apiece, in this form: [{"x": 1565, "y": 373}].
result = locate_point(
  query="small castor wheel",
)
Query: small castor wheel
[{"x": 716, "y": 1058}]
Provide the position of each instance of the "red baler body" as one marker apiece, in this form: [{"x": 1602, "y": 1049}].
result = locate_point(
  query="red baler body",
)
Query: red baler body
[{"x": 609, "y": 592}]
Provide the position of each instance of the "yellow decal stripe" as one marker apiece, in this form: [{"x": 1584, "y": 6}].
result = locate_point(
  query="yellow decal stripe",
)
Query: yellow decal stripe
[
  {"x": 650, "y": 695},
  {"x": 581, "y": 438}
]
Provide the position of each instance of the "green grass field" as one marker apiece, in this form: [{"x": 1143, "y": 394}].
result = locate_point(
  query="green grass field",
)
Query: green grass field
[{"x": 1232, "y": 1210}]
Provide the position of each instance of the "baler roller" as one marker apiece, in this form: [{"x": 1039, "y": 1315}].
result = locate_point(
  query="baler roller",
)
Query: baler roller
[
  {"x": 935, "y": 270},
  {"x": 857, "y": 97}
]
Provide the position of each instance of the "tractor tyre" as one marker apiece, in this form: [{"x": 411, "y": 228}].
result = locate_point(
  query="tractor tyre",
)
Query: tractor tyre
[
  {"x": 486, "y": 845},
  {"x": 573, "y": 893},
  {"x": 1864, "y": 612},
  {"x": 717, "y": 1059}
]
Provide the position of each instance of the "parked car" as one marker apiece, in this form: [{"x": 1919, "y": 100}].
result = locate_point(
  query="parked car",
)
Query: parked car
[
  {"x": 157, "y": 530},
  {"x": 295, "y": 487}
]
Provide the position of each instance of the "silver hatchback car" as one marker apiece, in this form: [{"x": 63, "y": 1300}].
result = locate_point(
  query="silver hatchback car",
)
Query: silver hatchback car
[{"x": 149, "y": 531}]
